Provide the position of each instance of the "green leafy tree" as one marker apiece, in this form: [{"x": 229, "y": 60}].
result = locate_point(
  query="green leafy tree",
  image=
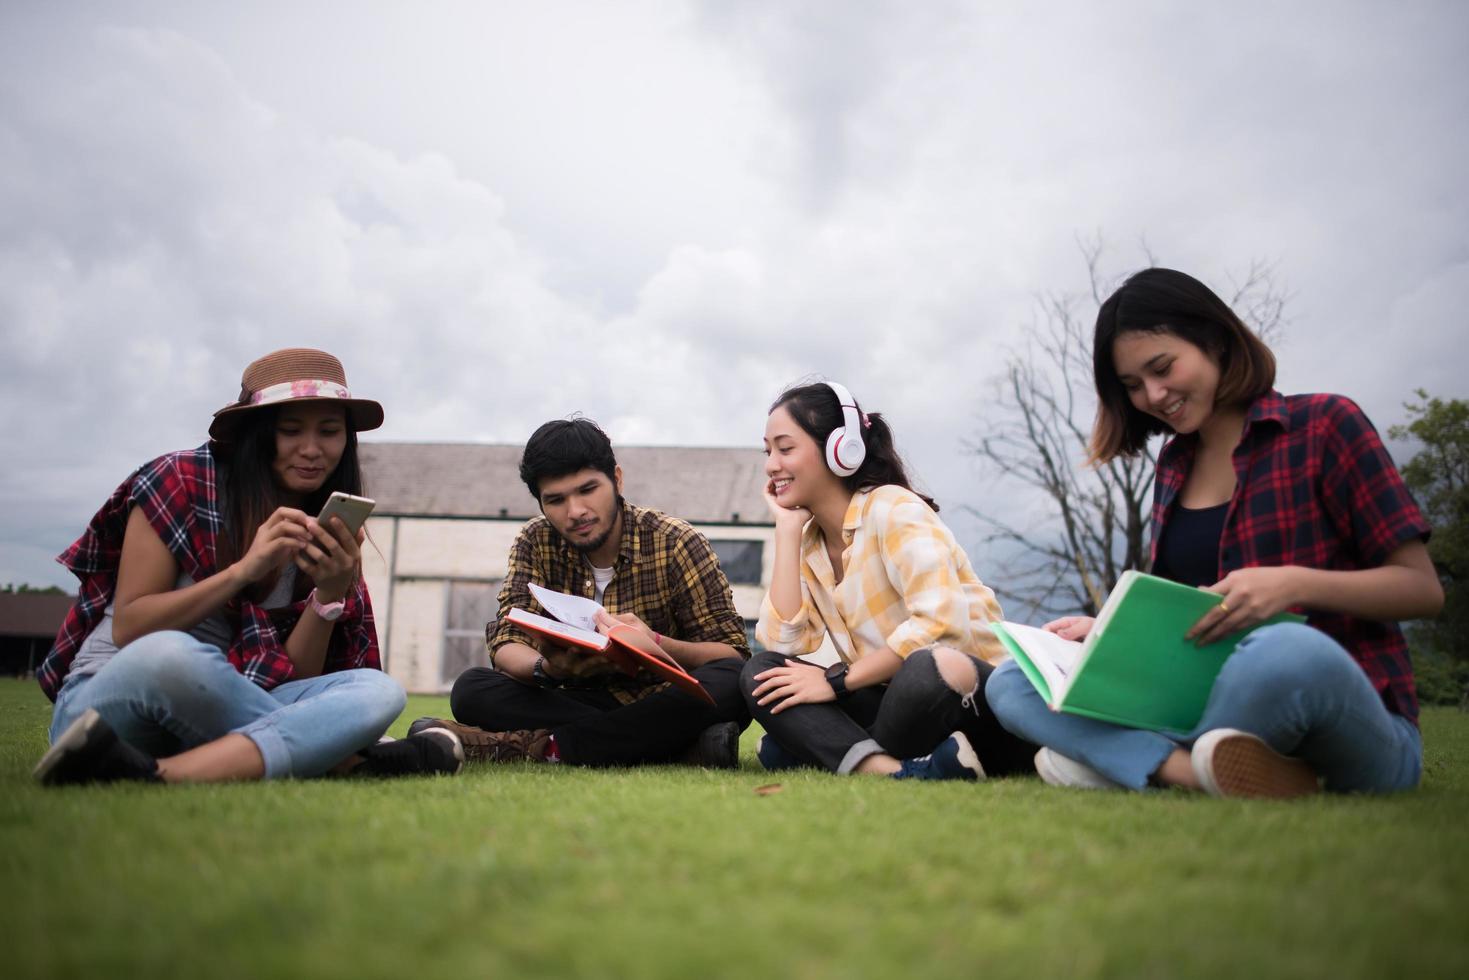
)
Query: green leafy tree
[{"x": 1439, "y": 477}]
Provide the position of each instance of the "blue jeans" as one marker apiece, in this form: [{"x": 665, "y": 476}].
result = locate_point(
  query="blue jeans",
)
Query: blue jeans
[
  {"x": 168, "y": 692},
  {"x": 1293, "y": 686}
]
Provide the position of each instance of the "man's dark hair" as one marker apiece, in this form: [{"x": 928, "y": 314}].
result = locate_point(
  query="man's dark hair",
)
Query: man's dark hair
[{"x": 565, "y": 446}]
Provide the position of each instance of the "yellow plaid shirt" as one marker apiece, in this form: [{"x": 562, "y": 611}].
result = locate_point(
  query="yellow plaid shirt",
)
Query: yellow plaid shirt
[{"x": 908, "y": 585}]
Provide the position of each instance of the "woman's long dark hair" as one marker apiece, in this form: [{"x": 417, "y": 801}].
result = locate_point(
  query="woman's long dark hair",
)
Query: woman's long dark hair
[
  {"x": 818, "y": 412},
  {"x": 251, "y": 496}
]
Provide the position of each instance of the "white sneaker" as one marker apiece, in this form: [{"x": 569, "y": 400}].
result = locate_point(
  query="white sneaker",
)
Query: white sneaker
[
  {"x": 1229, "y": 762},
  {"x": 1058, "y": 770}
]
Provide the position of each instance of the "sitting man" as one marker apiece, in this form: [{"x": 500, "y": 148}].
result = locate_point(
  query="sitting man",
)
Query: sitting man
[{"x": 541, "y": 702}]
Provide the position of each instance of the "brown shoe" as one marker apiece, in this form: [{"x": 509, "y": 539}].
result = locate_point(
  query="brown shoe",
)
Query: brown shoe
[
  {"x": 1229, "y": 762},
  {"x": 528, "y": 744}
]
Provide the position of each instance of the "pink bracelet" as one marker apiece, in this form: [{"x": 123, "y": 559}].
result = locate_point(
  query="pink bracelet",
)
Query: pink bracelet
[{"x": 658, "y": 638}]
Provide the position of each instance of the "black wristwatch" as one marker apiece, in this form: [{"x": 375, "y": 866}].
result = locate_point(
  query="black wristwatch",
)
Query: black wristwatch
[
  {"x": 539, "y": 675},
  {"x": 836, "y": 676}
]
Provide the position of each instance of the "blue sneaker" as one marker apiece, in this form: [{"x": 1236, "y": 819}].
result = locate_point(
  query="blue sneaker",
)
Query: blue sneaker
[
  {"x": 954, "y": 758},
  {"x": 775, "y": 757}
]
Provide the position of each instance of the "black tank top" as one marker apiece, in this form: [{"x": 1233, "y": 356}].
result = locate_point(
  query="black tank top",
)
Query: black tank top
[{"x": 1189, "y": 550}]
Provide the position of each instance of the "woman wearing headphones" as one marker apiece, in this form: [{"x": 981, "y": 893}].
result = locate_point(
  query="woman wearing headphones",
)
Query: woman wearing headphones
[{"x": 863, "y": 558}]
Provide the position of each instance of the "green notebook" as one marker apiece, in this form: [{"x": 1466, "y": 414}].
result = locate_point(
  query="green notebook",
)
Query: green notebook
[{"x": 1134, "y": 668}]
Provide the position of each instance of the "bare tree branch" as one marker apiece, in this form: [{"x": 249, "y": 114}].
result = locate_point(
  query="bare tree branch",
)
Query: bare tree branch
[{"x": 1034, "y": 433}]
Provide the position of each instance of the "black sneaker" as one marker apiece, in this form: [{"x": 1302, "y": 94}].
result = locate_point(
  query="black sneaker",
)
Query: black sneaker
[
  {"x": 89, "y": 752},
  {"x": 427, "y": 752},
  {"x": 954, "y": 758},
  {"x": 717, "y": 747}
]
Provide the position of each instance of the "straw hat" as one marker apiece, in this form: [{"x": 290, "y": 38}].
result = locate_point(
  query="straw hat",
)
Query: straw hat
[{"x": 293, "y": 374}]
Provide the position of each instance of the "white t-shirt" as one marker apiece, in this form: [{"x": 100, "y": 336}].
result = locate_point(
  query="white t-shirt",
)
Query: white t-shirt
[{"x": 602, "y": 576}]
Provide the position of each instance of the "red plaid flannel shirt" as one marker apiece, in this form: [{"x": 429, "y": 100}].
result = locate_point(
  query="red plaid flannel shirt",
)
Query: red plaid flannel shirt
[
  {"x": 1314, "y": 487},
  {"x": 177, "y": 495}
]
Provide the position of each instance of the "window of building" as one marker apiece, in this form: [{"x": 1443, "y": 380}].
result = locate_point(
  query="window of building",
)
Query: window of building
[
  {"x": 471, "y": 605},
  {"x": 740, "y": 560}
]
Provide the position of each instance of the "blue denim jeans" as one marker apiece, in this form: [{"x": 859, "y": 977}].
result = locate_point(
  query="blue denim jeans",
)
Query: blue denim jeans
[
  {"x": 168, "y": 692},
  {"x": 1293, "y": 686}
]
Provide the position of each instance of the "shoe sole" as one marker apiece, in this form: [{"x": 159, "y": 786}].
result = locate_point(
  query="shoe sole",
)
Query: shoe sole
[
  {"x": 967, "y": 757},
  {"x": 458, "y": 748},
  {"x": 1051, "y": 774},
  {"x": 1047, "y": 772},
  {"x": 1240, "y": 765},
  {"x": 78, "y": 736}
]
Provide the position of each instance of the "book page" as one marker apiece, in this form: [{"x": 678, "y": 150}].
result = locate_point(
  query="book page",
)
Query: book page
[
  {"x": 1104, "y": 616},
  {"x": 558, "y": 631},
  {"x": 1054, "y": 657},
  {"x": 570, "y": 609}
]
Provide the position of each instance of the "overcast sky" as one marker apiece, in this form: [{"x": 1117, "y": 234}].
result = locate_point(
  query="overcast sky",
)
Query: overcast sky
[{"x": 661, "y": 213}]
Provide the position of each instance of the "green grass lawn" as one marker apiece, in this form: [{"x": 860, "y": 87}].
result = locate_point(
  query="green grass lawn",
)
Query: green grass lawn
[{"x": 669, "y": 872}]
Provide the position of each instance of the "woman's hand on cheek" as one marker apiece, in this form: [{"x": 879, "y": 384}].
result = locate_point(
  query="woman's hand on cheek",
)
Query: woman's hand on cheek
[
  {"x": 792, "y": 684},
  {"x": 786, "y": 519}
]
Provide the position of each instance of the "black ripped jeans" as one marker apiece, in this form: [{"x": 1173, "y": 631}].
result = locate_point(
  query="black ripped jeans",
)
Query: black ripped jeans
[{"x": 906, "y": 717}]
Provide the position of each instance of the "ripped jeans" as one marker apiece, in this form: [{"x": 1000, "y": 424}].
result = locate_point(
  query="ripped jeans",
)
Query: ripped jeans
[{"x": 906, "y": 717}]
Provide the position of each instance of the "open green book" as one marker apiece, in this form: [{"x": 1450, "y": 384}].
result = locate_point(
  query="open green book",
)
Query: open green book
[{"x": 1134, "y": 668}]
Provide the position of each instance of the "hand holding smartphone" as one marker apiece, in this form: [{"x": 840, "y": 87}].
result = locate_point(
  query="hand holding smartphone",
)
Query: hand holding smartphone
[{"x": 352, "y": 510}]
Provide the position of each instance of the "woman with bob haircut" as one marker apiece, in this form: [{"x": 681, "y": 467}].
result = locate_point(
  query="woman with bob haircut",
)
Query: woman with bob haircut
[
  {"x": 863, "y": 558},
  {"x": 1276, "y": 503},
  {"x": 221, "y": 632}
]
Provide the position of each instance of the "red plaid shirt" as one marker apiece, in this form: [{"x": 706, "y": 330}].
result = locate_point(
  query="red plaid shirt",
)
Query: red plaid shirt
[
  {"x": 177, "y": 495},
  {"x": 1314, "y": 487}
]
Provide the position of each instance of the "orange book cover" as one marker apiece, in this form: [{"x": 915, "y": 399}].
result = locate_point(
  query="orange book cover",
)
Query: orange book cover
[{"x": 625, "y": 646}]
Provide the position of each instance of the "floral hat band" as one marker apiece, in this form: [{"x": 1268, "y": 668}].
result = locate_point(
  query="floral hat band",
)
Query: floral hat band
[
  {"x": 287, "y": 390},
  {"x": 294, "y": 374}
]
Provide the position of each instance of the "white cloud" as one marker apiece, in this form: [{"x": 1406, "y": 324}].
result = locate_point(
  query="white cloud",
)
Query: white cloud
[{"x": 660, "y": 217}]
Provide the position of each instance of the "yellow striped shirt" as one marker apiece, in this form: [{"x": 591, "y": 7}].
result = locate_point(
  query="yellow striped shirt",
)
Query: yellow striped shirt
[{"x": 907, "y": 585}]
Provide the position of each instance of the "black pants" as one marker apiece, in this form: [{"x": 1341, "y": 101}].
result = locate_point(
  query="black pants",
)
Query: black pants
[
  {"x": 593, "y": 728},
  {"x": 906, "y": 717}
]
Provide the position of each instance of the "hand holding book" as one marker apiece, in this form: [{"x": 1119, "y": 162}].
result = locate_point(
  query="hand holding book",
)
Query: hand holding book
[
  {"x": 624, "y": 640},
  {"x": 1135, "y": 666},
  {"x": 565, "y": 662},
  {"x": 1070, "y": 627},
  {"x": 607, "y": 622},
  {"x": 1251, "y": 596}
]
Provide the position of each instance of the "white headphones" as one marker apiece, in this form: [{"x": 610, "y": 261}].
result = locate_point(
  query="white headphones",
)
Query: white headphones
[{"x": 845, "y": 449}]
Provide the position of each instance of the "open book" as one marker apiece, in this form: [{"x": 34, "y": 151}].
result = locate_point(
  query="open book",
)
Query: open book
[
  {"x": 1134, "y": 668},
  {"x": 575, "y": 624}
]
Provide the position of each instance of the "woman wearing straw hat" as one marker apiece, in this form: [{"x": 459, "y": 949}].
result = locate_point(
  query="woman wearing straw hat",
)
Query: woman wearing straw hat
[{"x": 221, "y": 632}]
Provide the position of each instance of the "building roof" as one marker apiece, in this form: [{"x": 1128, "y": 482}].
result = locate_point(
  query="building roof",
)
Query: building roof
[
  {"x": 36, "y": 614},
  {"x": 700, "y": 484}
]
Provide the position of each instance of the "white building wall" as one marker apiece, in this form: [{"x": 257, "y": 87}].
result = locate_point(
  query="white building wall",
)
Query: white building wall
[{"x": 414, "y": 645}]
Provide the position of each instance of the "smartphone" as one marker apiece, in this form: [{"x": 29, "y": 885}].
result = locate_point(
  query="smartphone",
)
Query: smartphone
[{"x": 352, "y": 510}]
